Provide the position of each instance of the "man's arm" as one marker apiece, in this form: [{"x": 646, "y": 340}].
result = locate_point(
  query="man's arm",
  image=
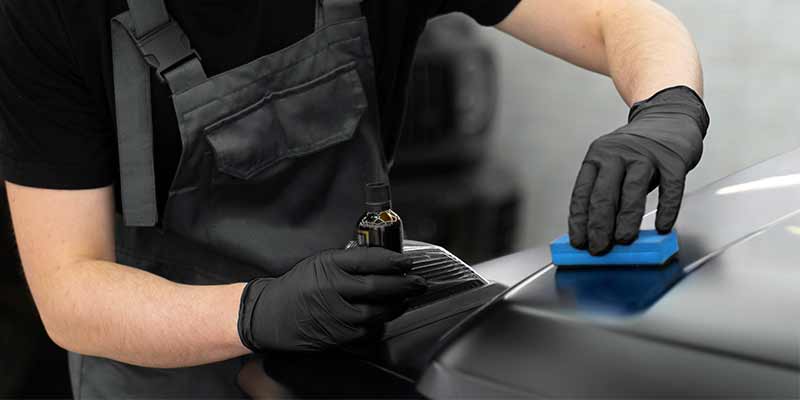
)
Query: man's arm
[
  {"x": 642, "y": 46},
  {"x": 655, "y": 66},
  {"x": 93, "y": 306}
]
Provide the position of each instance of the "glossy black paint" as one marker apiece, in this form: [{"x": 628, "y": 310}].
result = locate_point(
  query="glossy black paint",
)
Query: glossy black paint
[
  {"x": 616, "y": 291},
  {"x": 730, "y": 328}
]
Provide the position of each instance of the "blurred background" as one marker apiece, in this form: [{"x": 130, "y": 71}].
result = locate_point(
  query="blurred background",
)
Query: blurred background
[{"x": 495, "y": 135}]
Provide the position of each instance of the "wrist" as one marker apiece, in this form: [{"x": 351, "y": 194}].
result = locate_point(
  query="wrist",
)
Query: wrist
[
  {"x": 249, "y": 296},
  {"x": 234, "y": 336},
  {"x": 677, "y": 99}
]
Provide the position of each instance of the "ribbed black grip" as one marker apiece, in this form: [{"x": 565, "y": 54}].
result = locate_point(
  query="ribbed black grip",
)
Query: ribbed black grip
[{"x": 445, "y": 273}]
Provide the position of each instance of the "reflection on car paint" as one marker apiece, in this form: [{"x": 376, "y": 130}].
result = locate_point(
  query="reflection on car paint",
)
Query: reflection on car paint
[
  {"x": 774, "y": 182},
  {"x": 616, "y": 290}
]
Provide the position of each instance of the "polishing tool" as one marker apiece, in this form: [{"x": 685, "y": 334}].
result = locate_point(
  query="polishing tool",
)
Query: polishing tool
[{"x": 650, "y": 249}]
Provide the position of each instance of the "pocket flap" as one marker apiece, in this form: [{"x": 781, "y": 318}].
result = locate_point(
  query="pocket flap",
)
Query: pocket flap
[{"x": 290, "y": 123}]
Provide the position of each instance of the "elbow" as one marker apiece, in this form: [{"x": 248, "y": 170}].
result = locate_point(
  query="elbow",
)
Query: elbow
[
  {"x": 60, "y": 332},
  {"x": 63, "y": 305},
  {"x": 65, "y": 326}
]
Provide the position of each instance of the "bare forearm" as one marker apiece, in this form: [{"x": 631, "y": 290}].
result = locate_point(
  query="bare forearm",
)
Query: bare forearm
[
  {"x": 648, "y": 49},
  {"x": 109, "y": 310},
  {"x": 639, "y": 44},
  {"x": 93, "y": 306}
]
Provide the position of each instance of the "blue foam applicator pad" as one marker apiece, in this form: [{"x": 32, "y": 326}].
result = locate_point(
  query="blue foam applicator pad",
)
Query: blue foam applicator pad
[{"x": 650, "y": 248}]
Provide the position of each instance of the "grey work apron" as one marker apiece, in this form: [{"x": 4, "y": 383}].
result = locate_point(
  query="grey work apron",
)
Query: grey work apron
[{"x": 276, "y": 154}]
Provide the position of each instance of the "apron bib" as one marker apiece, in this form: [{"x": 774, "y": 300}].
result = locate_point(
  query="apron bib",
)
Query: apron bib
[{"x": 276, "y": 154}]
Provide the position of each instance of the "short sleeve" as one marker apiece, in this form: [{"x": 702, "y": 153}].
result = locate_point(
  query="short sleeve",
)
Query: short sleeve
[
  {"x": 485, "y": 12},
  {"x": 53, "y": 132}
]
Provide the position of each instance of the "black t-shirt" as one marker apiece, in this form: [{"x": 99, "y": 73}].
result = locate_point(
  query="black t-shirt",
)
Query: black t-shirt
[{"x": 56, "y": 86}]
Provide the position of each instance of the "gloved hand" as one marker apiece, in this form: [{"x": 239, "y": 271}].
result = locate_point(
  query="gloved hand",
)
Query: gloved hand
[
  {"x": 335, "y": 297},
  {"x": 662, "y": 142}
]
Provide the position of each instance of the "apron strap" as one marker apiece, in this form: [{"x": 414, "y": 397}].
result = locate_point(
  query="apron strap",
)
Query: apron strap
[
  {"x": 164, "y": 45},
  {"x": 134, "y": 127},
  {"x": 145, "y": 35},
  {"x": 147, "y": 16},
  {"x": 330, "y": 12}
]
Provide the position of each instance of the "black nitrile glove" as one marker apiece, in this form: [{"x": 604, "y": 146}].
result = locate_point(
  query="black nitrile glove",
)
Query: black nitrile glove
[
  {"x": 335, "y": 297},
  {"x": 662, "y": 142}
]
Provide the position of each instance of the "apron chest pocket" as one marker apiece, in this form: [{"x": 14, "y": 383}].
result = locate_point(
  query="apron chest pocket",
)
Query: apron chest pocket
[{"x": 289, "y": 123}]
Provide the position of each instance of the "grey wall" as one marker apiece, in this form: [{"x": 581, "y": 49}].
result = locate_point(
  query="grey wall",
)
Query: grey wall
[{"x": 551, "y": 111}]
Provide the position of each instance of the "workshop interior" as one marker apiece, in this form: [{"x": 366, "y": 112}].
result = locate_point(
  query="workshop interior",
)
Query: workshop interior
[{"x": 482, "y": 179}]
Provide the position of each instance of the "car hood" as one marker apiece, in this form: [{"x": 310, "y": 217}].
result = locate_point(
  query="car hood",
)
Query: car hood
[{"x": 722, "y": 319}]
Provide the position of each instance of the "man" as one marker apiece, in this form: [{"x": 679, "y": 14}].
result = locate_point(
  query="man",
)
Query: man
[{"x": 242, "y": 156}]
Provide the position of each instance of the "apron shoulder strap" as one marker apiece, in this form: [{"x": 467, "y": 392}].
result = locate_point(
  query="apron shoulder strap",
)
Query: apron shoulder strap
[
  {"x": 147, "y": 16},
  {"x": 145, "y": 35},
  {"x": 134, "y": 127},
  {"x": 164, "y": 45}
]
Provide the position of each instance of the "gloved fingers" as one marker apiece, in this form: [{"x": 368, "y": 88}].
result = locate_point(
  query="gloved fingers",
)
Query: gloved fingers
[
  {"x": 604, "y": 204},
  {"x": 579, "y": 205},
  {"x": 670, "y": 197},
  {"x": 380, "y": 288},
  {"x": 334, "y": 320},
  {"x": 371, "y": 314},
  {"x": 355, "y": 319},
  {"x": 371, "y": 261},
  {"x": 632, "y": 202},
  {"x": 343, "y": 329}
]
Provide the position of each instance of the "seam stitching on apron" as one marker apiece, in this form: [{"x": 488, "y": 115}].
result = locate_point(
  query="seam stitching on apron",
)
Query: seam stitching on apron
[
  {"x": 279, "y": 95},
  {"x": 185, "y": 114}
]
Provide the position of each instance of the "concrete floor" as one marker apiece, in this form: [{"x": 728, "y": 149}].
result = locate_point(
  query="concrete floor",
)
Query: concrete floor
[{"x": 551, "y": 111}]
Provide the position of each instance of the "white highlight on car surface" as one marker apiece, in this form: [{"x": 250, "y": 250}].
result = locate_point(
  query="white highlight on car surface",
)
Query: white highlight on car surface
[
  {"x": 774, "y": 182},
  {"x": 793, "y": 229}
]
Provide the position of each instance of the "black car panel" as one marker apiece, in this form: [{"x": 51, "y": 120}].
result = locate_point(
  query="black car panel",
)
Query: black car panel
[{"x": 720, "y": 321}]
